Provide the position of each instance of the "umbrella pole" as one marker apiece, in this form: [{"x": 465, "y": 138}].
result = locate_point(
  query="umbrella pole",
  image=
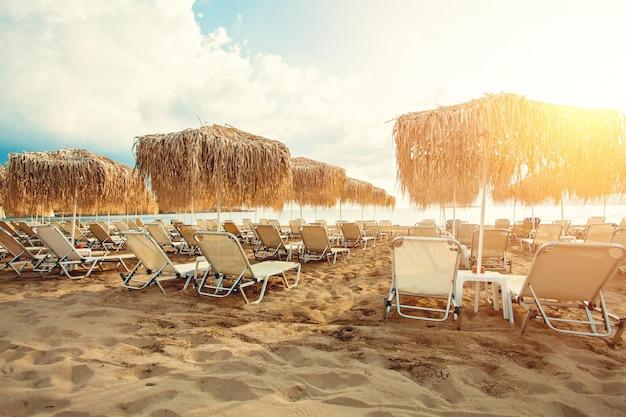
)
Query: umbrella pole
[
  {"x": 74, "y": 217},
  {"x": 483, "y": 204}
]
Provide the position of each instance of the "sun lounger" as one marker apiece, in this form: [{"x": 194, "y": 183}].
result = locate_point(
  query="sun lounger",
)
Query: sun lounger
[
  {"x": 272, "y": 244},
  {"x": 159, "y": 267},
  {"x": 19, "y": 256},
  {"x": 231, "y": 270},
  {"x": 106, "y": 241},
  {"x": 162, "y": 236},
  {"x": 423, "y": 273},
  {"x": 70, "y": 259},
  {"x": 317, "y": 244},
  {"x": 567, "y": 277},
  {"x": 353, "y": 235}
]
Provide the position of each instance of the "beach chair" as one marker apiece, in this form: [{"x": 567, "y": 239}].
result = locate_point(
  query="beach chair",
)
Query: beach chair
[
  {"x": 545, "y": 233},
  {"x": 121, "y": 226},
  {"x": 272, "y": 244},
  {"x": 317, "y": 244},
  {"x": 70, "y": 259},
  {"x": 186, "y": 232},
  {"x": 423, "y": 272},
  {"x": 371, "y": 229},
  {"x": 163, "y": 237},
  {"x": 13, "y": 231},
  {"x": 159, "y": 267},
  {"x": 294, "y": 227},
  {"x": 566, "y": 228},
  {"x": 230, "y": 227},
  {"x": 566, "y": 277},
  {"x": 502, "y": 224},
  {"x": 20, "y": 256},
  {"x": 424, "y": 231},
  {"x": 494, "y": 256},
  {"x": 465, "y": 232},
  {"x": 106, "y": 241},
  {"x": 28, "y": 234},
  {"x": 386, "y": 227},
  {"x": 581, "y": 231},
  {"x": 600, "y": 232},
  {"x": 520, "y": 230},
  {"x": 231, "y": 270},
  {"x": 353, "y": 236}
]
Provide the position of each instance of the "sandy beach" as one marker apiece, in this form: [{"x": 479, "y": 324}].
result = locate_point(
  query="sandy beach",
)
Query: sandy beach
[{"x": 79, "y": 348}]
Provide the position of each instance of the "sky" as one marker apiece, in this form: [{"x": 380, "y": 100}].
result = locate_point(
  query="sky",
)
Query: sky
[{"x": 325, "y": 77}]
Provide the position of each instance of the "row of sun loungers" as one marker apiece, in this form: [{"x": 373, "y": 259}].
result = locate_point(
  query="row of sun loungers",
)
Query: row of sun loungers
[{"x": 562, "y": 275}]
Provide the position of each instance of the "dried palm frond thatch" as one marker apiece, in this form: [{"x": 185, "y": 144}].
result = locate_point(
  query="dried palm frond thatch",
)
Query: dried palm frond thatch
[
  {"x": 64, "y": 180},
  {"x": 357, "y": 192},
  {"x": 316, "y": 183},
  {"x": 447, "y": 154},
  {"x": 212, "y": 166}
]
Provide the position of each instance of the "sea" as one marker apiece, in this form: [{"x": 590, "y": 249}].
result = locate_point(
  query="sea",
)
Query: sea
[{"x": 404, "y": 216}]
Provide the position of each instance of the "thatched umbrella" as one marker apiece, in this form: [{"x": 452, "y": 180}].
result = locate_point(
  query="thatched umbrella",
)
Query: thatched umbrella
[
  {"x": 316, "y": 183},
  {"x": 67, "y": 179},
  {"x": 214, "y": 166},
  {"x": 488, "y": 142}
]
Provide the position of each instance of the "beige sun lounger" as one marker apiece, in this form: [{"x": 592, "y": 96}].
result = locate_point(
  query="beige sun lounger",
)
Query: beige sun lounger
[
  {"x": 565, "y": 278},
  {"x": 353, "y": 235},
  {"x": 20, "y": 256},
  {"x": 163, "y": 237},
  {"x": 423, "y": 272},
  {"x": 70, "y": 259},
  {"x": 272, "y": 244},
  {"x": 159, "y": 267},
  {"x": 106, "y": 241},
  {"x": 231, "y": 270},
  {"x": 543, "y": 234},
  {"x": 317, "y": 244}
]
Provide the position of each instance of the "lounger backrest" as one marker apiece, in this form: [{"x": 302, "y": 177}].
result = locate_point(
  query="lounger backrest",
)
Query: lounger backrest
[
  {"x": 495, "y": 242},
  {"x": 269, "y": 235},
  {"x": 351, "y": 231},
  {"x": 424, "y": 265},
  {"x": 314, "y": 238},
  {"x": 232, "y": 228},
  {"x": 464, "y": 233},
  {"x": 148, "y": 251},
  {"x": 14, "y": 247},
  {"x": 187, "y": 231},
  {"x": 424, "y": 231},
  {"x": 224, "y": 253},
  {"x": 600, "y": 232},
  {"x": 502, "y": 223},
  {"x": 121, "y": 226},
  {"x": 158, "y": 233},
  {"x": 97, "y": 230},
  {"x": 572, "y": 271},
  {"x": 57, "y": 243},
  {"x": 548, "y": 233}
]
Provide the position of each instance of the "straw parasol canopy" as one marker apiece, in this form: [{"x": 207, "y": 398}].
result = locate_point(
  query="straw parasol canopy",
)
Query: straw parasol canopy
[
  {"x": 214, "y": 166},
  {"x": 357, "y": 192},
  {"x": 63, "y": 180},
  {"x": 451, "y": 152},
  {"x": 498, "y": 139},
  {"x": 316, "y": 183}
]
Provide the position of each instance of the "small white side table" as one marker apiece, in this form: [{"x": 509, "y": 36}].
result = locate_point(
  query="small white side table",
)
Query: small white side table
[{"x": 499, "y": 281}]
